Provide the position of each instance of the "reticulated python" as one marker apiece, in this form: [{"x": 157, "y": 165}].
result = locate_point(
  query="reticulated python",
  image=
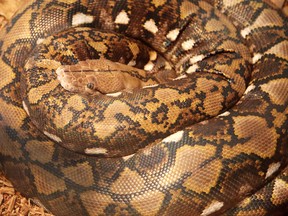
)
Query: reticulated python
[{"x": 193, "y": 121}]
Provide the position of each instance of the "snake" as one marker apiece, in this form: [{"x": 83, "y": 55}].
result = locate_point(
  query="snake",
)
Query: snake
[{"x": 150, "y": 107}]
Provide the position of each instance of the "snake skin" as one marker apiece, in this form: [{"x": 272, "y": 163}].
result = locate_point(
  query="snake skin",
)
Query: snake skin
[{"x": 206, "y": 135}]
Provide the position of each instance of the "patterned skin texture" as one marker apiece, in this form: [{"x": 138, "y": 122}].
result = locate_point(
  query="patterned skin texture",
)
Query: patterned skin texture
[{"x": 201, "y": 129}]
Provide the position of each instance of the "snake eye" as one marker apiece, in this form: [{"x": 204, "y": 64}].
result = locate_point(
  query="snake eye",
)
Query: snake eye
[{"x": 90, "y": 86}]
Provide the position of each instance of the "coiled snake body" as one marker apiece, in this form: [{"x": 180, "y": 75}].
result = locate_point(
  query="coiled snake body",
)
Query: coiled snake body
[{"x": 193, "y": 121}]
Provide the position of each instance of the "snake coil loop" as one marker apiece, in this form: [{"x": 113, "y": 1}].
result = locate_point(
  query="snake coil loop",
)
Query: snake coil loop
[{"x": 151, "y": 107}]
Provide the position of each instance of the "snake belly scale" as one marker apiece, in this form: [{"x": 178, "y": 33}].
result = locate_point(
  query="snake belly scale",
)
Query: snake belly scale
[{"x": 195, "y": 123}]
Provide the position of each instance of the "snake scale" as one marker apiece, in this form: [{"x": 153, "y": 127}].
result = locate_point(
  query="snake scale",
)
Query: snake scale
[{"x": 199, "y": 128}]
